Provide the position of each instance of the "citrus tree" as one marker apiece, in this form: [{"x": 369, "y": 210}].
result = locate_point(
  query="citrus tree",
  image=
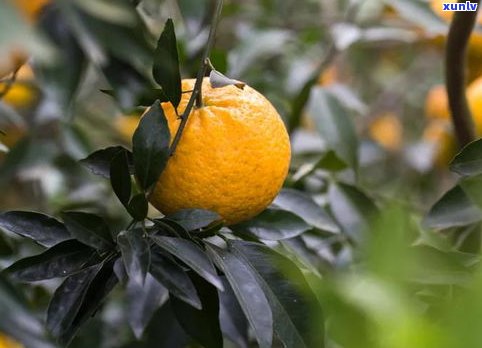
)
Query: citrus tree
[{"x": 239, "y": 174}]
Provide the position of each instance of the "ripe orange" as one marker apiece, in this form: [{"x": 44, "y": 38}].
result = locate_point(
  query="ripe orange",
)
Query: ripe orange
[
  {"x": 437, "y": 104},
  {"x": 233, "y": 156},
  {"x": 22, "y": 93},
  {"x": 387, "y": 131},
  {"x": 7, "y": 342},
  {"x": 30, "y": 9}
]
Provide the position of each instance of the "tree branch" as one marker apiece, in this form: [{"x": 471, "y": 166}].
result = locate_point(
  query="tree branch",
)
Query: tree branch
[
  {"x": 455, "y": 63},
  {"x": 196, "y": 96}
]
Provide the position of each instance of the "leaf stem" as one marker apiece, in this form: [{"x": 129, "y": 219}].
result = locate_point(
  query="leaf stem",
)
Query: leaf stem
[
  {"x": 455, "y": 63},
  {"x": 196, "y": 96}
]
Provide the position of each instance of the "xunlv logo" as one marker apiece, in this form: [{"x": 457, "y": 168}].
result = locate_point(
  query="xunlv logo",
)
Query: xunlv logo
[{"x": 467, "y": 6}]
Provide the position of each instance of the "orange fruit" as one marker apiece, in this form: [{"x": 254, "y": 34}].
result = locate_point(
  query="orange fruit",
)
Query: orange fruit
[
  {"x": 387, "y": 130},
  {"x": 22, "y": 93},
  {"x": 233, "y": 156},
  {"x": 437, "y": 104},
  {"x": 7, "y": 342},
  {"x": 30, "y": 9}
]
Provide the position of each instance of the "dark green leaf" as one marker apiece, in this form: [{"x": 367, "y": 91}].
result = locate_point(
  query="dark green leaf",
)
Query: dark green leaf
[
  {"x": 98, "y": 162},
  {"x": 352, "y": 208},
  {"x": 130, "y": 87},
  {"x": 305, "y": 207},
  {"x": 143, "y": 301},
  {"x": 249, "y": 293},
  {"x": 175, "y": 279},
  {"x": 120, "y": 178},
  {"x": 273, "y": 224},
  {"x": 291, "y": 301},
  {"x": 103, "y": 283},
  {"x": 164, "y": 330},
  {"x": 472, "y": 187},
  {"x": 452, "y": 210},
  {"x": 191, "y": 255},
  {"x": 334, "y": 125},
  {"x": 150, "y": 145},
  {"x": 234, "y": 324},
  {"x": 218, "y": 80},
  {"x": 166, "y": 64},
  {"x": 68, "y": 299},
  {"x": 194, "y": 219},
  {"x": 136, "y": 254},
  {"x": 61, "y": 76},
  {"x": 43, "y": 229},
  {"x": 89, "y": 229},
  {"x": 62, "y": 260},
  {"x": 138, "y": 207},
  {"x": 201, "y": 324},
  {"x": 469, "y": 160}
]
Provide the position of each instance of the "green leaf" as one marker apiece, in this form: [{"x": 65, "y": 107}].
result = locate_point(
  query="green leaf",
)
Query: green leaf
[
  {"x": 442, "y": 268},
  {"x": 67, "y": 300},
  {"x": 99, "y": 161},
  {"x": 120, "y": 178},
  {"x": 150, "y": 145},
  {"x": 130, "y": 87},
  {"x": 142, "y": 303},
  {"x": 304, "y": 206},
  {"x": 468, "y": 162},
  {"x": 201, "y": 324},
  {"x": 419, "y": 13},
  {"x": 191, "y": 255},
  {"x": 249, "y": 292},
  {"x": 273, "y": 224},
  {"x": 352, "y": 208},
  {"x": 454, "y": 209},
  {"x": 63, "y": 74},
  {"x": 89, "y": 229},
  {"x": 334, "y": 125},
  {"x": 292, "y": 303},
  {"x": 234, "y": 324},
  {"x": 62, "y": 260},
  {"x": 43, "y": 229},
  {"x": 166, "y": 64},
  {"x": 103, "y": 283},
  {"x": 136, "y": 254},
  {"x": 138, "y": 207},
  {"x": 194, "y": 219},
  {"x": 174, "y": 278}
]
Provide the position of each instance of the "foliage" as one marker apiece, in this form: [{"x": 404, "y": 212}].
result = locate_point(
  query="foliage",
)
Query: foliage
[{"x": 363, "y": 247}]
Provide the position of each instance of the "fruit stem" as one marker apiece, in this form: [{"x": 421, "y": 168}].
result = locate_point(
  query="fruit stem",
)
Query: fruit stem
[
  {"x": 455, "y": 65},
  {"x": 196, "y": 96}
]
